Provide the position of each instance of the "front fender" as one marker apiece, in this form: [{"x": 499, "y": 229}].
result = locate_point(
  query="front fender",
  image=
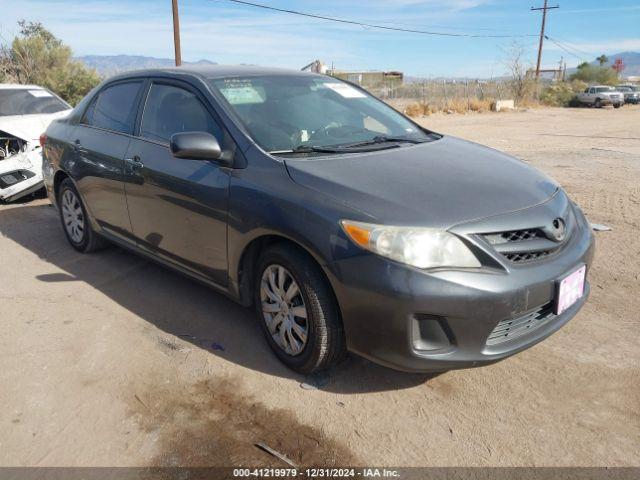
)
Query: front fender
[{"x": 264, "y": 201}]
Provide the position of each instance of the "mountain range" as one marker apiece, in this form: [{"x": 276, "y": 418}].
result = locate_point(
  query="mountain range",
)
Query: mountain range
[{"x": 107, "y": 65}]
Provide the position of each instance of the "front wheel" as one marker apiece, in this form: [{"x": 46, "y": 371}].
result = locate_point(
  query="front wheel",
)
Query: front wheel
[
  {"x": 617, "y": 105},
  {"x": 598, "y": 103},
  {"x": 297, "y": 310}
]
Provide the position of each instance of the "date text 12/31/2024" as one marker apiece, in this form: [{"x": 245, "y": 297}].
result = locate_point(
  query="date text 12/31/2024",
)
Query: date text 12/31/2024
[{"x": 315, "y": 473}]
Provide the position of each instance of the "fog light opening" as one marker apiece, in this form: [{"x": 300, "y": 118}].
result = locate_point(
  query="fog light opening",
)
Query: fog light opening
[{"x": 430, "y": 333}]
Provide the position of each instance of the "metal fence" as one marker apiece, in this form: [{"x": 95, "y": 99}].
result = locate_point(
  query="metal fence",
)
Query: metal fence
[{"x": 443, "y": 94}]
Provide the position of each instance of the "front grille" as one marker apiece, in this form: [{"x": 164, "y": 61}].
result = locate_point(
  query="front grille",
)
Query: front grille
[
  {"x": 514, "y": 236},
  {"x": 525, "y": 257},
  {"x": 515, "y": 327},
  {"x": 17, "y": 176},
  {"x": 522, "y": 246}
]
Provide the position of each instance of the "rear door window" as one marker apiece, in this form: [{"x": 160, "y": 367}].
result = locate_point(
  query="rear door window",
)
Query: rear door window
[
  {"x": 170, "y": 109},
  {"x": 114, "y": 108}
]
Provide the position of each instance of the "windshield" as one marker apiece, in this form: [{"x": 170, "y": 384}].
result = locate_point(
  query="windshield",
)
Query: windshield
[
  {"x": 17, "y": 101},
  {"x": 312, "y": 114}
]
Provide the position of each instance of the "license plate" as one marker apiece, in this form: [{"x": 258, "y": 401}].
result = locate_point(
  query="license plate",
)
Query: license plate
[{"x": 570, "y": 289}]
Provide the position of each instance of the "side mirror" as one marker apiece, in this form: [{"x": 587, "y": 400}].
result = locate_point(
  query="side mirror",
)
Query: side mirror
[{"x": 195, "y": 146}]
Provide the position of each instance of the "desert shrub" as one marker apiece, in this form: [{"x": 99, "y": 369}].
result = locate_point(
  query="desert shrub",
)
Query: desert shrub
[
  {"x": 477, "y": 105},
  {"x": 415, "y": 109},
  {"x": 595, "y": 74},
  {"x": 557, "y": 95},
  {"x": 562, "y": 94},
  {"x": 457, "y": 105}
]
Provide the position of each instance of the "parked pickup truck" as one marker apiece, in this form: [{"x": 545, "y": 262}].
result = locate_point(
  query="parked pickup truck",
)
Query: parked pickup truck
[
  {"x": 631, "y": 93},
  {"x": 601, "y": 95}
]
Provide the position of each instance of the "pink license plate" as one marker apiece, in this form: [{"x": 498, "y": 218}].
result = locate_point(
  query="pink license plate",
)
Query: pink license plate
[{"x": 570, "y": 289}]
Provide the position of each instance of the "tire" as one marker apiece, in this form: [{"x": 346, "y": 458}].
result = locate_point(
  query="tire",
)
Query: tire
[
  {"x": 325, "y": 344},
  {"x": 598, "y": 103},
  {"x": 616, "y": 105},
  {"x": 74, "y": 214}
]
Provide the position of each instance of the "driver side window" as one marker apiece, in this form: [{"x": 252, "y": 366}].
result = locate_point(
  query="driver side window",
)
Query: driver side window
[{"x": 170, "y": 109}]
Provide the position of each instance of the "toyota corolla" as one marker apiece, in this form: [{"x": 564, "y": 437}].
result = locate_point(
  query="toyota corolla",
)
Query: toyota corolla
[{"x": 347, "y": 226}]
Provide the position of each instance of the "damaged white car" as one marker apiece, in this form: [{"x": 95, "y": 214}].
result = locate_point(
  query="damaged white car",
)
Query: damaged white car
[{"x": 25, "y": 113}]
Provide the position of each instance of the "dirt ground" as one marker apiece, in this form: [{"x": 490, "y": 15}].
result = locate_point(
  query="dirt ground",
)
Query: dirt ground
[{"x": 109, "y": 360}]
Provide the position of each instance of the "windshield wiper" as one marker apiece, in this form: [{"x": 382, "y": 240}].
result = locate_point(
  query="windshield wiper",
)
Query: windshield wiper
[
  {"x": 376, "y": 142},
  {"x": 382, "y": 139},
  {"x": 308, "y": 149}
]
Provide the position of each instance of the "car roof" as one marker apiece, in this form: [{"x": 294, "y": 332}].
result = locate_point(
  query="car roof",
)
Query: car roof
[
  {"x": 17, "y": 86},
  {"x": 213, "y": 71}
]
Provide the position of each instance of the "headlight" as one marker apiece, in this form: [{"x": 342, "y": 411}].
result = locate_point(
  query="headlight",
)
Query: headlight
[{"x": 416, "y": 246}]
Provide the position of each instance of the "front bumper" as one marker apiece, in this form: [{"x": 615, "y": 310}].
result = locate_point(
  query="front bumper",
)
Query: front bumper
[
  {"x": 412, "y": 320},
  {"x": 25, "y": 170}
]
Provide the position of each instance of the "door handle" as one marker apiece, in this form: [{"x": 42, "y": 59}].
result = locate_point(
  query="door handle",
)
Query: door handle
[{"x": 132, "y": 164}]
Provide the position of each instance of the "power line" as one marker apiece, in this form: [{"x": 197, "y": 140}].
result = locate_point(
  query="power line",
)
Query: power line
[
  {"x": 574, "y": 48},
  {"x": 372, "y": 25},
  {"x": 566, "y": 49}
]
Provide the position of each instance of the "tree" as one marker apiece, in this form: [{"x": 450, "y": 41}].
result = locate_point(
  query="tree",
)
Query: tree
[
  {"x": 36, "y": 56},
  {"x": 595, "y": 74},
  {"x": 602, "y": 59},
  {"x": 521, "y": 84}
]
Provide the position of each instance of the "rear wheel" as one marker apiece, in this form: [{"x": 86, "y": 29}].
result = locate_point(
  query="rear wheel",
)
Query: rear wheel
[
  {"x": 75, "y": 222},
  {"x": 297, "y": 310}
]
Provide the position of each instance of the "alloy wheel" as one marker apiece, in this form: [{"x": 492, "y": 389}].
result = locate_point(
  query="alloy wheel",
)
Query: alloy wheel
[{"x": 284, "y": 310}]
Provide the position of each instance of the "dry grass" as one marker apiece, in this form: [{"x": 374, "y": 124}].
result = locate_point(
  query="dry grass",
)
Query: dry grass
[
  {"x": 529, "y": 103},
  {"x": 456, "y": 105}
]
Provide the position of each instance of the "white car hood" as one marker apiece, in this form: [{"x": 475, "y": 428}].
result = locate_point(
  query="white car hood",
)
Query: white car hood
[{"x": 29, "y": 127}]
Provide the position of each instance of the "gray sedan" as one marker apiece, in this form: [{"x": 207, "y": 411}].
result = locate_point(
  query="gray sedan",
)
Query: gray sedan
[{"x": 344, "y": 224}]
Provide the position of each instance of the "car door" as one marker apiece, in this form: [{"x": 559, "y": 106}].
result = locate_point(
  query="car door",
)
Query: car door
[
  {"x": 99, "y": 144},
  {"x": 178, "y": 207}
]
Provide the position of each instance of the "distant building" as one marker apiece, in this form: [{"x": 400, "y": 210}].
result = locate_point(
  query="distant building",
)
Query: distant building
[{"x": 370, "y": 79}]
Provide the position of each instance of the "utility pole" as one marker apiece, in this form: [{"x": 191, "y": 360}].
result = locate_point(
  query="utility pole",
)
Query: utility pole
[
  {"x": 544, "y": 21},
  {"x": 176, "y": 33},
  {"x": 560, "y": 73}
]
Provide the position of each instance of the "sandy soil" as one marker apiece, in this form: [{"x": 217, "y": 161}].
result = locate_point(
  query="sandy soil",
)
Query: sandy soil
[{"x": 107, "y": 359}]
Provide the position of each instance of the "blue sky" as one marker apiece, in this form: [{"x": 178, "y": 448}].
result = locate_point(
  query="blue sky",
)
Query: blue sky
[{"x": 226, "y": 33}]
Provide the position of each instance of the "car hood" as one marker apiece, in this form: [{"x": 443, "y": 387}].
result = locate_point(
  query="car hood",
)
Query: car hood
[
  {"x": 436, "y": 184},
  {"x": 29, "y": 127}
]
